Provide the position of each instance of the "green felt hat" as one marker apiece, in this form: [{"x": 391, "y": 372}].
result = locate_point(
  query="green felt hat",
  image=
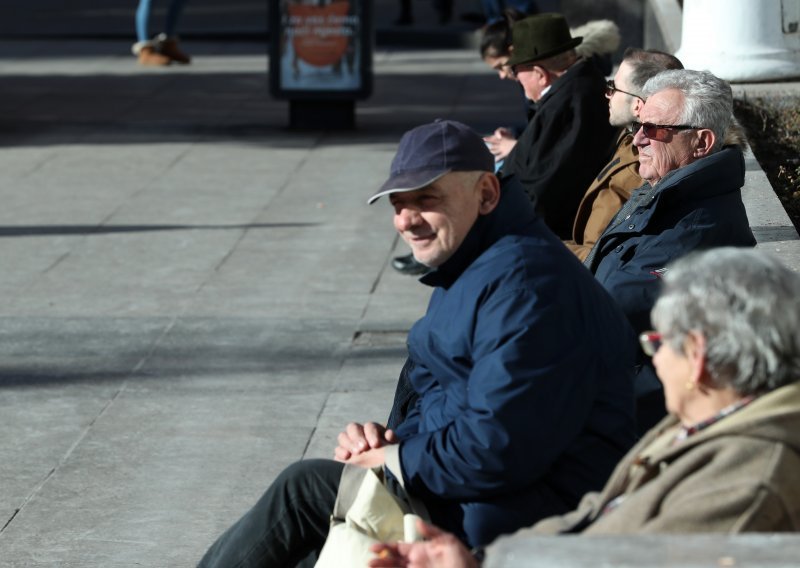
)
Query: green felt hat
[{"x": 539, "y": 37}]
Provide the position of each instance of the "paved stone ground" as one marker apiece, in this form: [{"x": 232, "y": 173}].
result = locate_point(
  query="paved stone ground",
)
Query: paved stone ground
[{"x": 192, "y": 295}]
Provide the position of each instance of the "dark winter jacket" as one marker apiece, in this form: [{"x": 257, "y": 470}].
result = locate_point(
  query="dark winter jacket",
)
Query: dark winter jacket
[
  {"x": 566, "y": 142},
  {"x": 695, "y": 207},
  {"x": 525, "y": 395}
]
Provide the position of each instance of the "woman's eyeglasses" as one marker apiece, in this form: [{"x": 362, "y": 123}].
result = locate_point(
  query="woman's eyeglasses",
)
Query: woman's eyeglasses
[
  {"x": 659, "y": 132},
  {"x": 611, "y": 89},
  {"x": 650, "y": 342}
]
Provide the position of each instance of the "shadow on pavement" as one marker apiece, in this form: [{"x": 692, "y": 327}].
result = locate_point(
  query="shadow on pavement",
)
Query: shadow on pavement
[
  {"x": 56, "y": 109},
  {"x": 49, "y": 230}
]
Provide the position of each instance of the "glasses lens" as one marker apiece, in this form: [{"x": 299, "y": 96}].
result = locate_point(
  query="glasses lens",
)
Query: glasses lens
[
  {"x": 664, "y": 132},
  {"x": 610, "y": 88},
  {"x": 650, "y": 130},
  {"x": 650, "y": 342}
]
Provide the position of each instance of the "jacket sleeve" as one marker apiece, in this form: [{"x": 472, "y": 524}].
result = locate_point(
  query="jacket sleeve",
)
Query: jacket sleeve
[
  {"x": 411, "y": 424},
  {"x": 742, "y": 507},
  {"x": 528, "y": 394},
  {"x": 728, "y": 483}
]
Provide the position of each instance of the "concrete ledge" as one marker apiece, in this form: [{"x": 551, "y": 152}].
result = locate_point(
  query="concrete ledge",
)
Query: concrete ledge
[
  {"x": 771, "y": 225},
  {"x": 653, "y": 551}
]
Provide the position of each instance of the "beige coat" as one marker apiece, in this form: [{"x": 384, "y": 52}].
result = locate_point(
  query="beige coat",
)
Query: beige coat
[
  {"x": 741, "y": 474},
  {"x": 610, "y": 190}
]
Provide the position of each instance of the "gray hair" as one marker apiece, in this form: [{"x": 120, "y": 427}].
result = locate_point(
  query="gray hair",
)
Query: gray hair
[
  {"x": 708, "y": 99},
  {"x": 747, "y": 306}
]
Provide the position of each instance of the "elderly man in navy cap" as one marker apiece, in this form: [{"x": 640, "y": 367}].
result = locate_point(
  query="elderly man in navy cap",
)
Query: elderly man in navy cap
[{"x": 525, "y": 399}]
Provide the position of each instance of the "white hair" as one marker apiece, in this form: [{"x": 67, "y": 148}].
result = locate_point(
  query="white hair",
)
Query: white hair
[
  {"x": 708, "y": 100},
  {"x": 747, "y": 306}
]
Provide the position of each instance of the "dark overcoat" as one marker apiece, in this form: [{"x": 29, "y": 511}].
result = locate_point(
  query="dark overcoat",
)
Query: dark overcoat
[{"x": 566, "y": 143}]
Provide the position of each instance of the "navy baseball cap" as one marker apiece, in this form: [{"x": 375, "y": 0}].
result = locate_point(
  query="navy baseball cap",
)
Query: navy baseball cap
[{"x": 430, "y": 151}]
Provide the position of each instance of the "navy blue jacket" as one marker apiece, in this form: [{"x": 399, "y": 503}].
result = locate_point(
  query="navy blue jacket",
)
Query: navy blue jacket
[
  {"x": 692, "y": 208},
  {"x": 523, "y": 366},
  {"x": 696, "y": 207}
]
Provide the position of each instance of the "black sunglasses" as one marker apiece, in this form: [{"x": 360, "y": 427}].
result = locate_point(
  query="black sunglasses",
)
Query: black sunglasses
[
  {"x": 659, "y": 132},
  {"x": 611, "y": 89}
]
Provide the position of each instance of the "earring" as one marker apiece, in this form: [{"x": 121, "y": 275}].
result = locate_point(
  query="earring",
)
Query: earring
[{"x": 689, "y": 385}]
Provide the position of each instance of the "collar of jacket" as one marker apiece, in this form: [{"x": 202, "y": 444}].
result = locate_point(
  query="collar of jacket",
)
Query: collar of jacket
[
  {"x": 625, "y": 148},
  {"x": 772, "y": 416},
  {"x": 514, "y": 211},
  {"x": 581, "y": 68},
  {"x": 713, "y": 175}
]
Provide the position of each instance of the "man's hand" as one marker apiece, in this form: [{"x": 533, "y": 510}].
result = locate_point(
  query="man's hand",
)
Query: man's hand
[
  {"x": 439, "y": 550},
  {"x": 360, "y": 438},
  {"x": 370, "y": 458}
]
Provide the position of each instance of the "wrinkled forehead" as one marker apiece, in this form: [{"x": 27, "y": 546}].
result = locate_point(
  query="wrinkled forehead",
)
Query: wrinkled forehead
[{"x": 663, "y": 107}]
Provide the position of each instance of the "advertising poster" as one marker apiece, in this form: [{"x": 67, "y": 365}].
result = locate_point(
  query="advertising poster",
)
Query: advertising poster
[{"x": 319, "y": 46}]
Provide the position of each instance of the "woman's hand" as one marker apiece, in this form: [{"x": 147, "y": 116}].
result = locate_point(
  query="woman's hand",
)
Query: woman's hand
[{"x": 440, "y": 550}]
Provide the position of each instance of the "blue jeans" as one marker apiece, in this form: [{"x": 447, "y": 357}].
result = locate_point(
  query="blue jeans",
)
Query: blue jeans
[
  {"x": 289, "y": 522},
  {"x": 143, "y": 18}
]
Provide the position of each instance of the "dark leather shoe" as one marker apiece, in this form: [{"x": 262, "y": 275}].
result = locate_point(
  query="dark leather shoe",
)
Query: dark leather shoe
[{"x": 408, "y": 265}]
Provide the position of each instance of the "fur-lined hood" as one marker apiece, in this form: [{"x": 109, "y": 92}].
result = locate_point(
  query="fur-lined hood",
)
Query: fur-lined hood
[{"x": 599, "y": 38}]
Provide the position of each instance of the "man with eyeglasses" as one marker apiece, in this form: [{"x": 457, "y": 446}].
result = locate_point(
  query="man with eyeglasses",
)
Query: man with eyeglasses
[
  {"x": 568, "y": 139},
  {"x": 691, "y": 200},
  {"x": 620, "y": 176}
]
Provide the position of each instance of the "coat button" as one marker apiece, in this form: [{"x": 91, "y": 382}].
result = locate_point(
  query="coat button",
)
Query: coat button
[
  {"x": 619, "y": 248},
  {"x": 631, "y": 226}
]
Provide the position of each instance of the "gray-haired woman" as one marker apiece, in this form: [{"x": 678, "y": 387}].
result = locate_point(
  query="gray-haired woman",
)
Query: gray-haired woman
[{"x": 727, "y": 350}]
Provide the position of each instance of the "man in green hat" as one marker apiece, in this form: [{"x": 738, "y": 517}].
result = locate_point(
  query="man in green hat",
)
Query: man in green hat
[{"x": 568, "y": 138}]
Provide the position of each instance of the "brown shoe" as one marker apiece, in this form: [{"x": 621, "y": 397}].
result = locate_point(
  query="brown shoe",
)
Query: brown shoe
[
  {"x": 169, "y": 46},
  {"x": 149, "y": 56}
]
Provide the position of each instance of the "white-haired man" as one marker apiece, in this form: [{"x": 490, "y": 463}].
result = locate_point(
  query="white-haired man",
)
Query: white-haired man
[{"x": 691, "y": 200}]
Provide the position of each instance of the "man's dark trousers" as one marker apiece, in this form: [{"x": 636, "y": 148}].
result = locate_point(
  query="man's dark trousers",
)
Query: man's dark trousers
[{"x": 290, "y": 520}]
